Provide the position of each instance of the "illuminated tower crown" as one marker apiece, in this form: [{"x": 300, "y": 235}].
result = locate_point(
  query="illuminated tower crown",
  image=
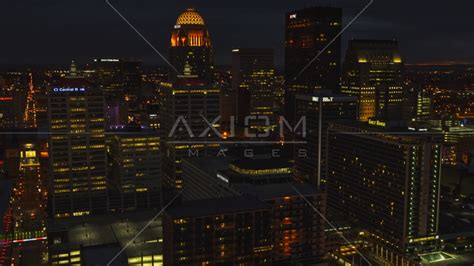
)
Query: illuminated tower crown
[
  {"x": 190, "y": 17},
  {"x": 190, "y": 46}
]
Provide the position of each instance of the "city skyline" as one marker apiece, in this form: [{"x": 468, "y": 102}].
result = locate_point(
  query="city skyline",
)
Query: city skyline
[
  {"x": 98, "y": 33},
  {"x": 347, "y": 156}
]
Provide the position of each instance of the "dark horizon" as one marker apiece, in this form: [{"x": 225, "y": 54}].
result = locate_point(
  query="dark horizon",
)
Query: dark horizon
[
  {"x": 92, "y": 29},
  {"x": 280, "y": 68}
]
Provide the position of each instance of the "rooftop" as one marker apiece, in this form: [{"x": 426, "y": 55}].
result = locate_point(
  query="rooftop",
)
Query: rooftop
[
  {"x": 387, "y": 130},
  {"x": 273, "y": 191},
  {"x": 260, "y": 164},
  {"x": 110, "y": 232},
  {"x": 216, "y": 206}
]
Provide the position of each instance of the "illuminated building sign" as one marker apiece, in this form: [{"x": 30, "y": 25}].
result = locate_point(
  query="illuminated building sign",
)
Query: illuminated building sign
[
  {"x": 421, "y": 129},
  {"x": 325, "y": 99},
  {"x": 377, "y": 123},
  {"x": 69, "y": 89},
  {"x": 423, "y": 239},
  {"x": 109, "y": 60},
  {"x": 292, "y": 16},
  {"x": 6, "y": 98},
  {"x": 259, "y": 172}
]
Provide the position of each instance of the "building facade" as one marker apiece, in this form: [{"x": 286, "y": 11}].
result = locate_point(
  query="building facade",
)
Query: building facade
[
  {"x": 253, "y": 76},
  {"x": 373, "y": 72},
  {"x": 190, "y": 101},
  {"x": 77, "y": 151},
  {"x": 228, "y": 231},
  {"x": 121, "y": 81},
  {"x": 388, "y": 186},
  {"x": 308, "y": 31},
  {"x": 191, "y": 49},
  {"x": 136, "y": 168},
  {"x": 311, "y": 151},
  {"x": 187, "y": 104},
  {"x": 297, "y": 229}
]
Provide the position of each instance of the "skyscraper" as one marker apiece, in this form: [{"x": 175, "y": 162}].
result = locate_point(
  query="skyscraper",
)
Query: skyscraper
[
  {"x": 297, "y": 230},
  {"x": 121, "y": 82},
  {"x": 191, "y": 49},
  {"x": 108, "y": 76},
  {"x": 417, "y": 105},
  {"x": 388, "y": 185},
  {"x": 9, "y": 116},
  {"x": 136, "y": 167},
  {"x": 186, "y": 103},
  {"x": 318, "y": 109},
  {"x": 308, "y": 31},
  {"x": 77, "y": 152},
  {"x": 190, "y": 99},
  {"x": 13, "y": 94},
  {"x": 373, "y": 71},
  {"x": 228, "y": 231},
  {"x": 117, "y": 77},
  {"x": 253, "y": 76}
]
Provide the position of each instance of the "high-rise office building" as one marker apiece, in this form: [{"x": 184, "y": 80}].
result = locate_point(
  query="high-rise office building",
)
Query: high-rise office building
[
  {"x": 297, "y": 231},
  {"x": 373, "y": 71},
  {"x": 121, "y": 82},
  {"x": 117, "y": 77},
  {"x": 187, "y": 104},
  {"x": 253, "y": 76},
  {"x": 308, "y": 31},
  {"x": 10, "y": 117},
  {"x": 117, "y": 113},
  {"x": 191, "y": 49},
  {"x": 77, "y": 152},
  {"x": 107, "y": 74},
  {"x": 228, "y": 231},
  {"x": 318, "y": 110},
  {"x": 417, "y": 105},
  {"x": 388, "y": 185},
  {"x": 136, "y": 170},
  {"x": 190, "y": 100},
  {"x": 228, "y": 103},
  {"x": 13, "y": 96},
  {"x": 227, "y": 109},
  {"x": 151, "y": 118}
]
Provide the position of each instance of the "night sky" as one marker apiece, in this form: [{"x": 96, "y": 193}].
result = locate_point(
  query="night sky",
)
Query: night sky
[{"x": 57, "y": 31}]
